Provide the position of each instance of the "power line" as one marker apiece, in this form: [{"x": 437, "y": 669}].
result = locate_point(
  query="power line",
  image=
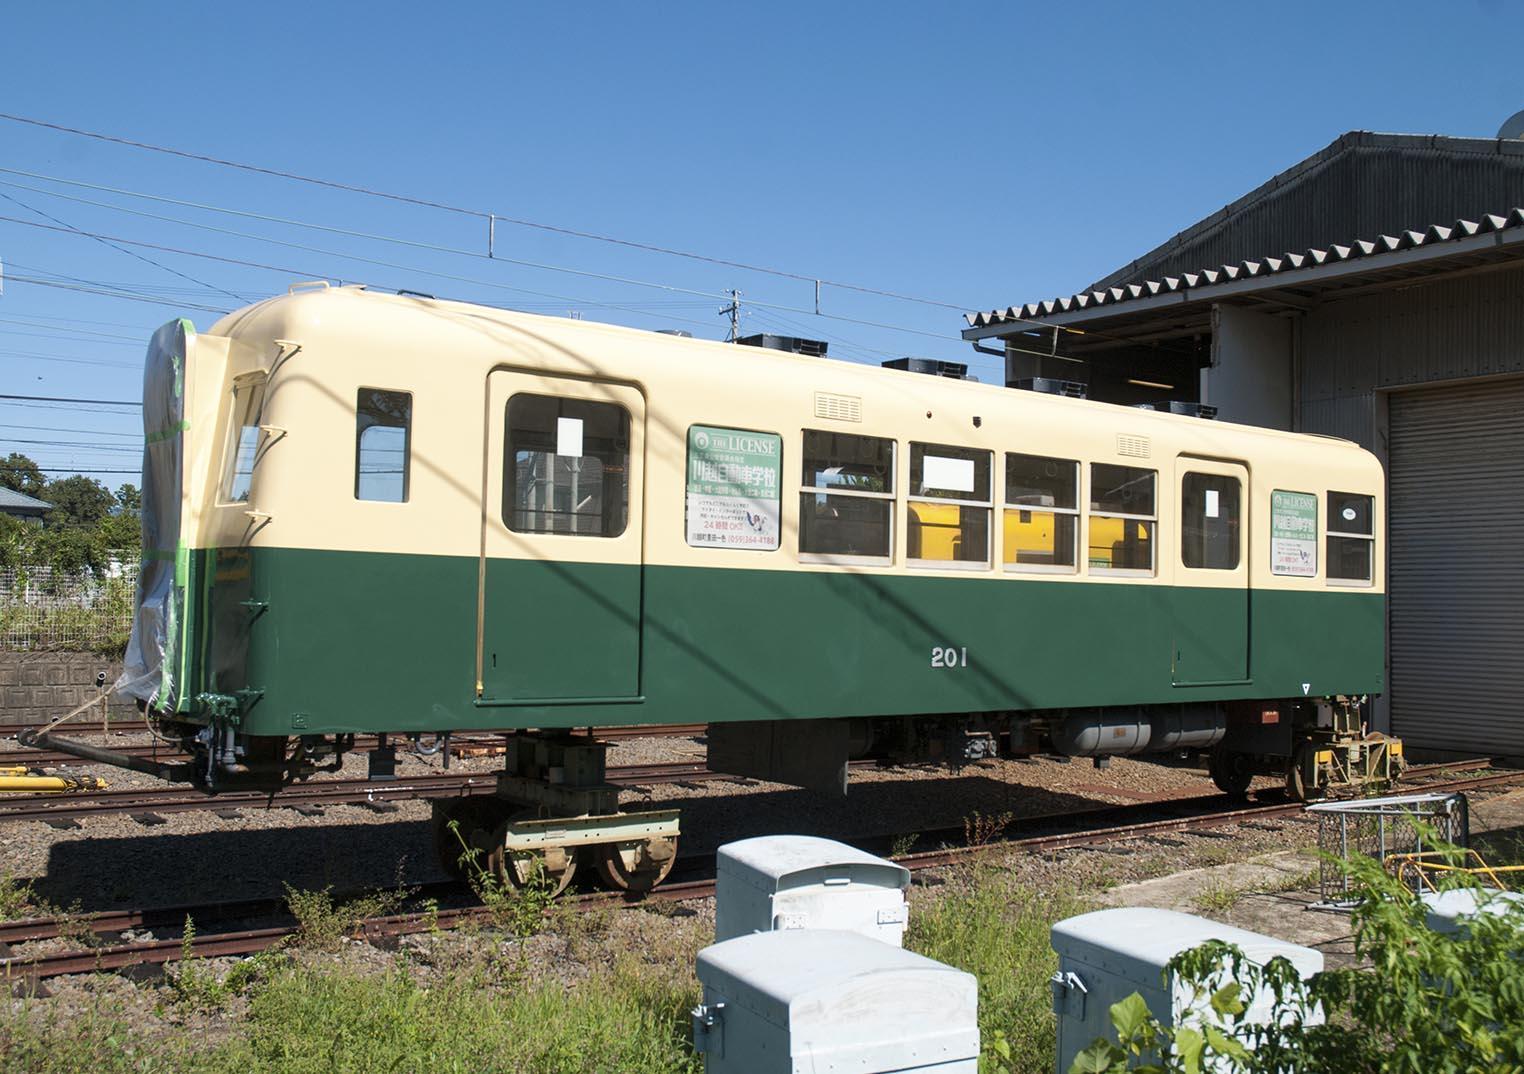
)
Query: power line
[
  {"x": 108, "y": 293},
  {"x": 58, "y": 429},
  {"x": 29, "y": 356},
  {"x": 107, "y": 242},
  {"x": 491, "y": 218},
  {"x": 71, "y": 399}
]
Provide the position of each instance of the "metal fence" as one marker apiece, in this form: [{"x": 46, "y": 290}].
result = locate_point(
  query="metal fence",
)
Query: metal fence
[
  {"x": 1383, "y": 829},
  {"x": 41, "y": 608}
]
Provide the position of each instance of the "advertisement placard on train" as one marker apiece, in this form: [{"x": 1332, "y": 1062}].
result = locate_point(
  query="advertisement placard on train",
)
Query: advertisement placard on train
[
  {"x": 734, "y": 483},
  {"x": 1294, "y": 534}
]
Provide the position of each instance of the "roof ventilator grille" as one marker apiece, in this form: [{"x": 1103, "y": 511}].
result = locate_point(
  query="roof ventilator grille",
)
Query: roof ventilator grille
[
  {"x": 838, "y": 407},
  {"x": 1139, "y": 447},
  {"x": 1074, "y": 389},
  {"x": 1180, "y": 406}
]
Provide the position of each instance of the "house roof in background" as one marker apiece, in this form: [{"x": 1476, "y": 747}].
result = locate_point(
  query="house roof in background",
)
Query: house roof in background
[{"x": 13, "y": 501}]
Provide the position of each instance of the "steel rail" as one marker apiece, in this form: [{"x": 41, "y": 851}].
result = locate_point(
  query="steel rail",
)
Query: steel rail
[{"x": 158, "y": 952}]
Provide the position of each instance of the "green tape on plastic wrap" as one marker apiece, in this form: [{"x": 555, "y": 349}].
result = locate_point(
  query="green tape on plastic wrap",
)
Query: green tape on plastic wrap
[
  {"x": 167, "y": 434},
  {"x": 174, "y": 628}
]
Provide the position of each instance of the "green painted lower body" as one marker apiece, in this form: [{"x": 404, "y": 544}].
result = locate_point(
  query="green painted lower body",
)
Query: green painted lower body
[{"x": 340, "y": 642}]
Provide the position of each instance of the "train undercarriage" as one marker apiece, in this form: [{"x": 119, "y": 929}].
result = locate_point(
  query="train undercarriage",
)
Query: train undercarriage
[{"x": 554, "y": 813}]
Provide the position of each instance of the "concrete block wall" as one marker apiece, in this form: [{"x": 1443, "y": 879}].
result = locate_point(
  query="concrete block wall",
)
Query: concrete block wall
[{"x": 39, "y": 686}]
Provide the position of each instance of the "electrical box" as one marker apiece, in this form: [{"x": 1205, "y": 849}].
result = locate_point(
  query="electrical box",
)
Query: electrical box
[
  {"x": 827, "y": 1000},
  {"x": 1445, "y": 911},
  {"x": 804, "y": 882},
  {"x": 1106, "y": 956}
]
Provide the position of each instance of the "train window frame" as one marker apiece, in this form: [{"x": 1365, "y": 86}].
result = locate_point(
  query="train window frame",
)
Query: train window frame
[
  {"x": 245, "y": 413},
  {"x": 1150, "y": 519},
  {"x": 749, "y": 473},
  {"x": 370, "y": 409},
  {"x": 1234, "y": 521},
  {"x": 919, "y": 451},
  {"x": 820, "y": 493},
  {"x": 509, "y": 511},
  {"x": 1008, "y": 505},
  {"x": 1349, "y": 537}
]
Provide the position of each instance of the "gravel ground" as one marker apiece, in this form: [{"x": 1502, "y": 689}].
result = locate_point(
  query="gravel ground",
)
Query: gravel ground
[{"x": 114, "y": 862}]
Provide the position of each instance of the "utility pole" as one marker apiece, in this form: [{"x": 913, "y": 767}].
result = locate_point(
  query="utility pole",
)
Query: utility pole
[{"x": 734, "y": 312}]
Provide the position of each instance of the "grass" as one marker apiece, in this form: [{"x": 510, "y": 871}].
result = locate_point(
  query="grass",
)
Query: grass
[
  {"x": 997, "y": 929},
  {"x": 485, "y": 1002},
  {"x": 1218, "y": 897}
]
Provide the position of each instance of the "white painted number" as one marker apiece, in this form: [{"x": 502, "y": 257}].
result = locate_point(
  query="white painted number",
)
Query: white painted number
[{"x": 949, "y": 657}]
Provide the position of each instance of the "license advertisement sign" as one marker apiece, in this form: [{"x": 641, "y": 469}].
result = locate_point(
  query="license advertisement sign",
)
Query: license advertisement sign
[
  {"x": 734, "y": 483},
  {"x": 1294, "y": 534}
]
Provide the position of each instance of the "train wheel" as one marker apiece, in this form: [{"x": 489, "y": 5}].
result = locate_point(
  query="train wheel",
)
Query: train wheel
[
  {"x": 638, "y": 865},
  {"x": 553, "y": 867},
  {"x": 1296, "y": 776},
  {"x": 1230, "y": 770}
]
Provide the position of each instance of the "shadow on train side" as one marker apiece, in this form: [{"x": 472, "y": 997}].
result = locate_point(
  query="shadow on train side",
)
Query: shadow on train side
[
  {"x": 309, "y": 854},
  {"x": 875, "y": 589}
]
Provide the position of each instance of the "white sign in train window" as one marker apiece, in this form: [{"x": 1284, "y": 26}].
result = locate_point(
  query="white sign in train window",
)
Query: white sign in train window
[
  {"x": 734, "y": 484},
  {"x": 1294, "y": 534},
  {"x": 947, "y": 475}
]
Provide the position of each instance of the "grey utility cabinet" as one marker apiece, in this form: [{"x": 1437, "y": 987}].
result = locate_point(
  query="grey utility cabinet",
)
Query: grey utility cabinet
[
  {"x": 807, "y": 1000},
  {"x": 1106, "y": 956},
  {"x": 1446, "y": 911},
  {"x": 804, "y": 882}
]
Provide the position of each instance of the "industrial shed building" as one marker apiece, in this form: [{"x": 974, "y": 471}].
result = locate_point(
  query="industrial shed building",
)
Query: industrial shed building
[{"x": 1374, "y": 291}]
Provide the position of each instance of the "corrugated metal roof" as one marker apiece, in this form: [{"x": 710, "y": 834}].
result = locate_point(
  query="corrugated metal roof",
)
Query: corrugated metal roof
[
  {"x": 1264, "y": 266},
  {"x": 11, "y": 500}
]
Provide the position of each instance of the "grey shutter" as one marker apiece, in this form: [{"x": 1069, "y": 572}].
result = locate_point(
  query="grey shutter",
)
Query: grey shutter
[{"x": 1456, "y": 582}]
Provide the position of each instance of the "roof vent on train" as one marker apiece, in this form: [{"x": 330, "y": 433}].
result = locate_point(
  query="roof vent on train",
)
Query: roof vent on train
[
  {"x": 1180, "y": 406},
  {"x": 932, "y": 366},
  {"x": 1074, "y": 389},
  {"x": 680, "y": 333},
  {"x": 815, "y": 348}
]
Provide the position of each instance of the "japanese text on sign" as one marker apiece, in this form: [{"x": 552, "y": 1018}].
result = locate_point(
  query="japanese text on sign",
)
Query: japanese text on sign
[
  {"x": 1294, "y": 534},
  {"x": 734, "y": 479}
]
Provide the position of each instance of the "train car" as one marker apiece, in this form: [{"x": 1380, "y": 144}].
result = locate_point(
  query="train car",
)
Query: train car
[{"x": 388, "y": 514}]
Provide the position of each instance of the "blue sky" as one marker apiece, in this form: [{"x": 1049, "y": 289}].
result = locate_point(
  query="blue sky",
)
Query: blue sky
[{"x": 973, "y": 154}]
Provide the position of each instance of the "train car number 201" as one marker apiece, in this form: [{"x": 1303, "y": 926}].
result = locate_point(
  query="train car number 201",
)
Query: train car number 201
[{"x": 949, "y": 657}]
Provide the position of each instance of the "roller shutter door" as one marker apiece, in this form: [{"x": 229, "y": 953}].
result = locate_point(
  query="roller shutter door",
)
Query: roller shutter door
[{"x": 1456, "y": 583}]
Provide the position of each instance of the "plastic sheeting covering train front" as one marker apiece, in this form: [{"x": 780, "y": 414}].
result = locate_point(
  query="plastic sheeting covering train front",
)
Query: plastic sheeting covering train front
[{"x": 153, "y": 669}]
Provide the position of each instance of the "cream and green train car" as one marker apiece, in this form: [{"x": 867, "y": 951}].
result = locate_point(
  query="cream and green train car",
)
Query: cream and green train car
[{"x": 389, "y": 514}]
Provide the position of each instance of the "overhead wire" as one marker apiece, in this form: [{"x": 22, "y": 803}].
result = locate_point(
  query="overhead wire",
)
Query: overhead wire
[
  {"x": 480, "y": 214},
  {"x": 147, "y": 260}
]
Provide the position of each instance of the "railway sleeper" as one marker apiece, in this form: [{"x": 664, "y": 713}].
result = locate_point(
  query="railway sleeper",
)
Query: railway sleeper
[{"x": 553, "y": 813}]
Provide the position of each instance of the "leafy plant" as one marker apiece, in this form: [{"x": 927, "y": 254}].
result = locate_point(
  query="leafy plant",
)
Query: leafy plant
[
  {"x": 323, "y": 923},
  {"x": 1427, "y": 1000},
  {"x": 519, "y": 910},
  {"x": 979, "y": 829}
]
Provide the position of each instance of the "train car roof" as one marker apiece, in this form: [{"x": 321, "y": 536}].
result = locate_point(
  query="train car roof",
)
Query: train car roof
[{"x": 314, "y": 303}]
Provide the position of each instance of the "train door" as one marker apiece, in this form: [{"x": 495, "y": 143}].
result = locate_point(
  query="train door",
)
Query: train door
[
  {"x": 560, "y": 573},
  {"x": 1211, "y": 573}
]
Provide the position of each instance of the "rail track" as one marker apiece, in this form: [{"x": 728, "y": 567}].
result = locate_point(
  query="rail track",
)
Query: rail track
[
  {"x": 313, "y": 795},
  {"x": 363, "y": 743},
  {"x": 1098, "y": 827}
]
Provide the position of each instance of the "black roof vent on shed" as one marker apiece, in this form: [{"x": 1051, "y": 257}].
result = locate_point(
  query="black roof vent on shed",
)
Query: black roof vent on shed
[
  {"x": 815, "y": 348},
  {"x": 1051, "y": 386},
  {"x": 934, "y": 366}
]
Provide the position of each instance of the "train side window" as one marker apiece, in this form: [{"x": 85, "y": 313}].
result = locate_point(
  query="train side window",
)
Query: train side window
[
  {"x": 1041, "y": 523},
  {"x": 1351, "y": 538},
  {"x": 1123, "y": 519},
  {"x": 243, "y": 439},
  {"x": 1209, "y": 521},
  {"x": 566, "y": 466},
  {"x": 383, "y": 443},
  {"x": 846, "y": 498},
  {"x": 950, "y": 502}
]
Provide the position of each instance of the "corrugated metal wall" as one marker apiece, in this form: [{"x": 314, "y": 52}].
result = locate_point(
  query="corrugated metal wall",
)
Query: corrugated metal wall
[
  {"x": 1456, "y": 581},
  {"x": 1450, "y": 551},
  {"x": 1468, "y": 326},
  {"x": 1362, "y": 186}
]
